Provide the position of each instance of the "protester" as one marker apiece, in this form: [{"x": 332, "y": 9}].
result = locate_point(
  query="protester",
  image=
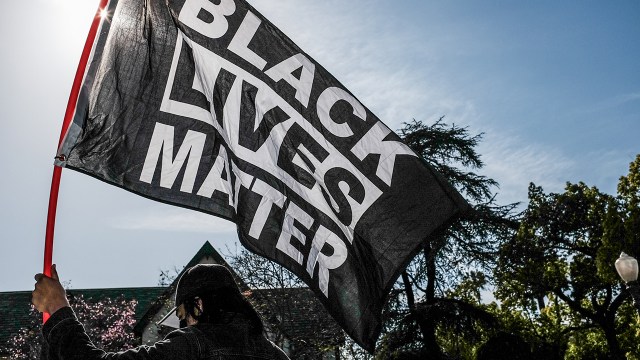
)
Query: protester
[{"x": 217, "y": 322}]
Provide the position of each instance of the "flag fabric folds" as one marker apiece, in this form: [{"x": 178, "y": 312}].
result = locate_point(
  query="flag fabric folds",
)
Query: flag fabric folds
[{"x": 208, "y": 106}]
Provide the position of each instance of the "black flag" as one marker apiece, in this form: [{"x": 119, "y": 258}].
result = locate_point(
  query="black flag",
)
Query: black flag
[{"x": 208, "y": 106}]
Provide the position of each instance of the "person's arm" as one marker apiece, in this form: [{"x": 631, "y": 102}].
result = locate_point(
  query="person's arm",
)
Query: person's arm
[{"x": 65, "y": 338}]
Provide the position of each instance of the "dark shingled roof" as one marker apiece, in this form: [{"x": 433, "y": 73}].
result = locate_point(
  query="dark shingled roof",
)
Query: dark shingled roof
[
  {"x": 295, "y": 311},
  {"x": 15, "y": 306},
  {"x": 14, "y": 313},
  {"x": 298, "y": 313}
]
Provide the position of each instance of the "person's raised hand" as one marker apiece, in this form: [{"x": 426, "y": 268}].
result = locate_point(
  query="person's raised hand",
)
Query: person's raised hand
[{"x": 49, "y": 295}]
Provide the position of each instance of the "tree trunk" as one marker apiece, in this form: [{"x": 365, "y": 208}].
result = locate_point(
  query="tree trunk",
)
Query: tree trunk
[
  {"x": 429, "y": 328},
  {"x": 609, "y": 328},
  {"x": 426, "y": 327},
  {"x": 540, "y": 300}
]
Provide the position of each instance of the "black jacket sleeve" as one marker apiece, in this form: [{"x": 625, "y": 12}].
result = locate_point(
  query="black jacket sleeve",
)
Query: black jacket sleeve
[{"x": 65, "y": 339}]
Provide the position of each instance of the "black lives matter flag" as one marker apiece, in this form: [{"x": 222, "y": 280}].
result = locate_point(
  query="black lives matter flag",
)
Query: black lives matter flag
[{"x": 207, "y": 105}]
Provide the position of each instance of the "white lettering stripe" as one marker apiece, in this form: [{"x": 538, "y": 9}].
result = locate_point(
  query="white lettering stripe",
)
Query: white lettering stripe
[{"x": 208, "y": 65}]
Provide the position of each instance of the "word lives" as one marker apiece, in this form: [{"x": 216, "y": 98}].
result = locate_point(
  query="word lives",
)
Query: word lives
[{"x": 263, "y": 129}]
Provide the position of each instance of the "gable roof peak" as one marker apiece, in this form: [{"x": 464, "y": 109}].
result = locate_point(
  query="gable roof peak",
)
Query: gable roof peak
[{"x": 206, "y": 255}]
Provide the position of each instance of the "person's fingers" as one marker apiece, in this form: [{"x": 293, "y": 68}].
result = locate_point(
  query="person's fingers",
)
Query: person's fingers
[
  {"x": 36, "y": 300},
  {"x": 48, "y": 294},
  {"x": 54, "y": 272}
]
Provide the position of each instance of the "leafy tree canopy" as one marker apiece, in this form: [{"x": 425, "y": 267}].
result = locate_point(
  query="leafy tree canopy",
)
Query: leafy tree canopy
[{"x": 559, "y": 267}]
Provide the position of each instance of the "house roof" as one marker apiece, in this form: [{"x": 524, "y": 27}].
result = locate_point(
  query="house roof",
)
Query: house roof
[
  {"x": 298, "y": 313},
  {"x": 206, "y": 252},
  {"x": 295, "y": 311},
  {"x": 15, "y": 306}
]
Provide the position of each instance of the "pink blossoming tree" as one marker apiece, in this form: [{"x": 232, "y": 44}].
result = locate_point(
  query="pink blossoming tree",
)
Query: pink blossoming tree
[{"x": 108, "y": 322}]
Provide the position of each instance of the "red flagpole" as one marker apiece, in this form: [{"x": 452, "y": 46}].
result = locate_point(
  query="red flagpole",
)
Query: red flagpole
[{"x": 68, "y": 117}]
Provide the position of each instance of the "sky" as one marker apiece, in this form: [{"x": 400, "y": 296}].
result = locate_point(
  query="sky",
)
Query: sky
[{"x": 554, "y": 86}]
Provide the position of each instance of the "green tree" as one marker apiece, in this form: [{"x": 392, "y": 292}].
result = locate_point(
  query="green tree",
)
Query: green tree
[
  {"x": 424, "y": 317},
  {"x": 558, "y": 268}
]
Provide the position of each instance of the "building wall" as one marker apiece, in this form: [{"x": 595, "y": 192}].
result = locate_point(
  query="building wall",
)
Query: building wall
[{"x": 153, "y": 332}]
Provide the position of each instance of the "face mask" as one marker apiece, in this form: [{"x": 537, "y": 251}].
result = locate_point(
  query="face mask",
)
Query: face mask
[{"x": 183, "y": 323}]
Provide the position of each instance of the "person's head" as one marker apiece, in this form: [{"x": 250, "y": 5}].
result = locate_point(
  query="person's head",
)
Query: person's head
[{"x": 207, "y": 293}]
